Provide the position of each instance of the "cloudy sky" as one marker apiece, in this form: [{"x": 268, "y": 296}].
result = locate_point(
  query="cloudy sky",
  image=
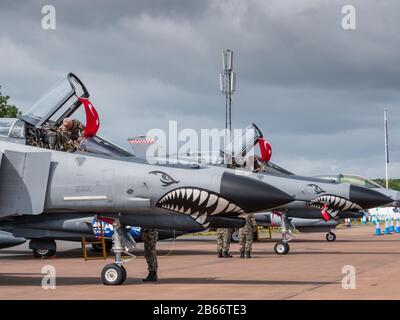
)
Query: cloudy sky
[{"x": 316, "y": 90}]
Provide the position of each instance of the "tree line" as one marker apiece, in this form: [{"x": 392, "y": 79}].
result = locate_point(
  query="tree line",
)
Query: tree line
[{"x": 7, "y": 110}]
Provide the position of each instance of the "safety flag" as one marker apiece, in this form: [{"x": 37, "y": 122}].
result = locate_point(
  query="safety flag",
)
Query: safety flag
[
  {"x": 265, "y": 149},
  {"x": 92, "y": 118}
]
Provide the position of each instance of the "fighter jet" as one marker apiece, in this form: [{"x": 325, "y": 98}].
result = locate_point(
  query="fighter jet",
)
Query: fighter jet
[
  {"x": 105, "y": 180},
  {"x": 314, "y": 197},
  {"x": 367, "y": 183}
]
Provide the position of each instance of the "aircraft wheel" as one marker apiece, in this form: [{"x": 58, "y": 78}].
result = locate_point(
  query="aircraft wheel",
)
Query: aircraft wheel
[
  {"x": 42, "y": 253},
  {"x": 113, "y": 274},
  {"x": 330, "y": 237},
  {"x": 281, "y": 248},
  {"x": 235, "y": 235}
]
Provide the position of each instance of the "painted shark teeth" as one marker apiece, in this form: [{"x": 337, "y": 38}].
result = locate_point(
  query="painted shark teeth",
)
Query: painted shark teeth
[
  {"x": 198, "y": 203},
  {"x": 335, "y": 204}
]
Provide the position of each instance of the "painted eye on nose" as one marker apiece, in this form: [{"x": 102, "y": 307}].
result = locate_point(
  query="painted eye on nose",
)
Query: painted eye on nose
[
  {"x": 165, "y": 178},
  {"x": 317, "y": 188}
]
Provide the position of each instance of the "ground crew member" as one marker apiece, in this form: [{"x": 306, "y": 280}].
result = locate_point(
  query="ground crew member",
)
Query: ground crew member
[
  {"x": 224, "y": 242},
  {"x": 150, "y": 237},
  {"x": 71, "y": 133},
  {"x": 246, "y": 235}
]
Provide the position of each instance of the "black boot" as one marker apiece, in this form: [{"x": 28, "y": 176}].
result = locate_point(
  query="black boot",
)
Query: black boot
[
  {"x": 247, "y": 255},
  {"x": 226, "y": 254},
  {"x": 151, "y": 277},
  {"x": 220, "y": 255},
  {"x": 241, "y": 254}
]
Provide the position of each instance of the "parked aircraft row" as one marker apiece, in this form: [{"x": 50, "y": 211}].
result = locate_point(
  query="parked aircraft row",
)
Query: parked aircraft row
[{"x": 41, "y": 188}]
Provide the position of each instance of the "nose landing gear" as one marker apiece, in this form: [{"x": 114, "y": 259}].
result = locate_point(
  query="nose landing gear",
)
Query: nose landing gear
[
  {"x": 115, "y": 273},
  {"x": 282, "y": 247}
]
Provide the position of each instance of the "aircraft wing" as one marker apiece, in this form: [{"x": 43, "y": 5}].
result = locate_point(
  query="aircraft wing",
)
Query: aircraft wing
[{"x": 23, "y": 182}]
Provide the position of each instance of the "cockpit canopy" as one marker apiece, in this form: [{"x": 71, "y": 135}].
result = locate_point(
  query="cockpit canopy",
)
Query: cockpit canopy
[
  {"x": 99, "y": 146},
  {"x": 5, "y": 126},
  {"x": 352, "y": 179},
  {"x": 58, "y": 103},
  {"x": 61, "y": 101},
  {"x": 11, "y": 129}
]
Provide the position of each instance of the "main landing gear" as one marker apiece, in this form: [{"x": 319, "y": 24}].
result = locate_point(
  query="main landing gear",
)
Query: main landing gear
[
  {"x": 122, "y": 242},
  {"x": 330, "y": 236},
  {"x": 282, "y": 247},
  {"x": 43, "y": 248}
]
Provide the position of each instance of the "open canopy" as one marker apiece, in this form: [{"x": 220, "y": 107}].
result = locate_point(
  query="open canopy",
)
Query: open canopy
[{"x": 60, "y": 102}]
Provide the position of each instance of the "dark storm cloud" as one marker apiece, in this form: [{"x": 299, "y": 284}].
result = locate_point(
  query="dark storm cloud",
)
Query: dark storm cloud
[{"x": 316, "y": 90}]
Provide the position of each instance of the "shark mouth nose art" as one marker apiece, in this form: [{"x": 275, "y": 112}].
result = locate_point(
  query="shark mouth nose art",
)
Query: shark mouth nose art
[
  {"x": 335, "y": 204},
  {"x": 197, "y": 203}
]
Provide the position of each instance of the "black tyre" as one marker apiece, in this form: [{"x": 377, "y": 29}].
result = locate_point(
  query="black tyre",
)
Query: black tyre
[
  {"x": 330, "y": 237},
  {"x": 43, "y": 253},
  {"x": 113, "y": 275},
  {"x": 281, "y": 248}
]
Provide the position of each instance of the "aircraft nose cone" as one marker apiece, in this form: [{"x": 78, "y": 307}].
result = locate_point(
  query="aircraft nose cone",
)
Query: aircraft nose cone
[
  {"x": 252, "y": 195},
  {"x": 367, "y": 198}
]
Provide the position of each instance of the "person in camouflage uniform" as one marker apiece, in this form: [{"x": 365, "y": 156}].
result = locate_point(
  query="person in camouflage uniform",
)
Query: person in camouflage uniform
[
  {"x": 246, "y": 235},
  {"x": 224, "y": 242},
  {"x": 150, "y": 237},
  {"x": 71, "y": 133}
]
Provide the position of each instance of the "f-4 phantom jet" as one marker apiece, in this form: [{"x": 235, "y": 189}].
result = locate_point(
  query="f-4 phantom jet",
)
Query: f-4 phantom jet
[
  {"x": 314, "y": 197},
  {"x": 38, "y": 178}
]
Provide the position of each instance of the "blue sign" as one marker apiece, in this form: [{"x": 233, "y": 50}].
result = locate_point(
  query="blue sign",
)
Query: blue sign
[{"x": 109, "y": 230}]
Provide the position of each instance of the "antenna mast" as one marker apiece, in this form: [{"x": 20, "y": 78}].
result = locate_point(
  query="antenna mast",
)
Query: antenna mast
[
  {"x": 386, "y": 148},
  {"x": 227, "y": 85}
]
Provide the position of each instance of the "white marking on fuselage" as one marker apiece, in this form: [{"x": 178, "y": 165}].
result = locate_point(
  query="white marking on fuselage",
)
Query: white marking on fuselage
[
  {"x": 211, "y": 200},
  {"x": 196, "y": 194},
  {"x": 222, "y": 204},
  {"x": 201, "y": 219},
  {"x": 203, "y": 196},
  {"x": 79, "y": 198},
  {"x": 188, "y": 193}
]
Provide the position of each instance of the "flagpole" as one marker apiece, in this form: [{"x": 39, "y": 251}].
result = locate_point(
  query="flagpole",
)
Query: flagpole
[{"x": 386, "y": 148}]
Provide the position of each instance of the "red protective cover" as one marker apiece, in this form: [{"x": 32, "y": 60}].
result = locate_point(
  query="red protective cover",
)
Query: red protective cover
[
  {"x": 325, "y": 214},
  {"x": 265, "y": 149},
  {"x": 92, "y": 118}
]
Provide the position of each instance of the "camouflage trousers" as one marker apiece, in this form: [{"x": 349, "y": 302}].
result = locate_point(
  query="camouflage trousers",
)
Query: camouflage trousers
[
  {"x": 150, "y": 237},
  {"x": 223, "y": 239},
  {"x": 246, "y": 236},
  {"x": 245, "y": 241}
]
